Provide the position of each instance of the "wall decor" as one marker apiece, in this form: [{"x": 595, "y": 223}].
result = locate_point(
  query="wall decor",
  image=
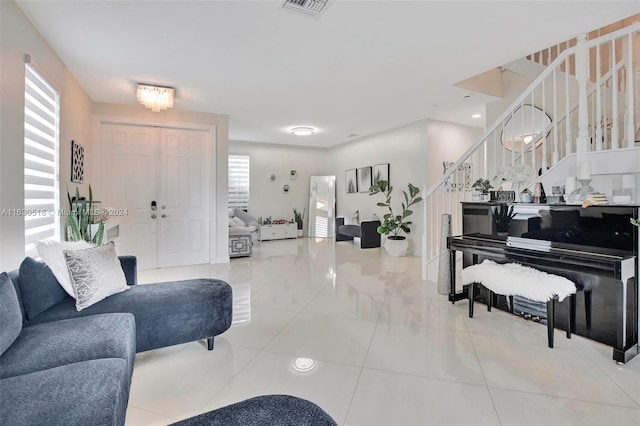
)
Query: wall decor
[
  {"x": 460, "y": 180},
  {"x": 77, "y": 162},
  {"x": 381, "y": 172},
  {"x": 272, "y": 177},
  {"x": 285, "y": 189},
  {"x": 364, "y": 179},
  {"x": 293, "y": 174},
  {"x": 351, "y": 181}
]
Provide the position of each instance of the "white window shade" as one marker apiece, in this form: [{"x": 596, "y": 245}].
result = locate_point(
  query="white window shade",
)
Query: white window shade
[
  {"x": 41, "y": 139},
  {"x": 239, "y": 181}
]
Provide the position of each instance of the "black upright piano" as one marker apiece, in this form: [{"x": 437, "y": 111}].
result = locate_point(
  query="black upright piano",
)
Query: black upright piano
[{"x": 595, "y": 247}]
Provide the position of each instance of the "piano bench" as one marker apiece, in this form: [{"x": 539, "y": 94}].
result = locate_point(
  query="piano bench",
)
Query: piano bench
[{"x": 514, "y": 279}]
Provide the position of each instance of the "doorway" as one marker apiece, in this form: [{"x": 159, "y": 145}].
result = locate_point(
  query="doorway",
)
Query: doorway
[{"x": 160, "y": 177}]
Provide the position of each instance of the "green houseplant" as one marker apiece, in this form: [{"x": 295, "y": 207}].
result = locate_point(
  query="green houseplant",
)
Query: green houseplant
[
  {"x": 503, "y": 216},
  {"x": 394, "y": 224},
  {"x": 299, "y": 217},
  {"x": 82, "y": 215}
]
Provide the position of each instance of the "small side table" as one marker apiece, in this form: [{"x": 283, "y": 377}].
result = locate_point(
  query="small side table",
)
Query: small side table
[{"x": 240, "y": 245}]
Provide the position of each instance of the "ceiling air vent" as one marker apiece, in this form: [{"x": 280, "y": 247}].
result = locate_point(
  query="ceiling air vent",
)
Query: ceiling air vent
[{"x": 308, "y": 7}]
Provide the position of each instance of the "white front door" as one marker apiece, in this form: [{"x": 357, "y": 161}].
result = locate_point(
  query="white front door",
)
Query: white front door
[
  {"x": 129, "y": 177},
  {"x": 142, "y": 166},
  {"x": 184, "y": 196}
]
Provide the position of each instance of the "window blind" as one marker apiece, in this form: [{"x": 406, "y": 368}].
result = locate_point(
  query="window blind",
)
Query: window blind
[
  {"x": 41, "y": 128},
  {"x": 239, "y": 181}
]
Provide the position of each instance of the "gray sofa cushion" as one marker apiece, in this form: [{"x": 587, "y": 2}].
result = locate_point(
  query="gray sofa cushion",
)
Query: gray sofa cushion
[
  {"x": 245, "y": 217},
  {"x": 39, "y": 287},
  {"x": 52, "y": 344},
  {"x": 92, "y": 392},
  {"x": 10, "y": 315},
  {"x": 266, "y": 410},
  {"x": 166, "y": 314}
]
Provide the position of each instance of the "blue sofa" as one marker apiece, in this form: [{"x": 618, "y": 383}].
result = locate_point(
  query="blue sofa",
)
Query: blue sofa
[{"x": 59, "y": 366}]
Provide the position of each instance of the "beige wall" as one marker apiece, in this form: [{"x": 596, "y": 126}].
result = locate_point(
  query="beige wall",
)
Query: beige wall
[
  {"x": 18, "y": 37},
  {"x": 142, "y": 115}
]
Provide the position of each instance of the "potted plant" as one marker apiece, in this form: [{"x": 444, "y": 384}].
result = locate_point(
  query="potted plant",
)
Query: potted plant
[
  {"x": 394, "y": 224},
  {"x": 299, "y": 217},
  {"x": 481, "y": 187},
  {"x": 503, "y": 216},
  {"x": 82, "y": 219}
]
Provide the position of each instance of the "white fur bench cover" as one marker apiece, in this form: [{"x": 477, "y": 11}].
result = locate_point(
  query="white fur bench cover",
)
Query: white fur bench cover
[{"x": 513, "y": 279}]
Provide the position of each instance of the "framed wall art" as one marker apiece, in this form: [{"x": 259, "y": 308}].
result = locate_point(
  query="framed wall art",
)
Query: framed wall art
[
  {"x": 380, "y": 172},
  {"x": 351, "y": 181},
  {"x": 364, "y": 179},
  {"x": 77, "y": 162}
]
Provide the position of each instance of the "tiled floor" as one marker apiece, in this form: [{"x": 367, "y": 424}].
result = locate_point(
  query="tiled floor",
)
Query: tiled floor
[{"x": 389, "y": 350}]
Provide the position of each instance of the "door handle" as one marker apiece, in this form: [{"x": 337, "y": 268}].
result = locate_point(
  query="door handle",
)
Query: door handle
[{"x": 153, "y": 216}]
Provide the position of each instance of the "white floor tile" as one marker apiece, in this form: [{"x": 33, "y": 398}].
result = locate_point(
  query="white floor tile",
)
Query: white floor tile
[
  {"x": 425, "y": 362},
  {"x": 517, "y": 408},
  {"x": 429, "y": 352},
  {"x": 384, "y": 398},
  {"x": 328, "y": 385},
  {"x": 138, "y": 417},
  {"x": 531, "y": 366},
  {"x": 324, "y": 338},
  {"x": 178, "y": 384},
  {"x": 264, "y": 325}
]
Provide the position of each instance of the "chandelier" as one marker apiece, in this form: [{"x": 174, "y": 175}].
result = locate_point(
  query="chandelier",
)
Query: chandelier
[{"x": 156, "y": 98}]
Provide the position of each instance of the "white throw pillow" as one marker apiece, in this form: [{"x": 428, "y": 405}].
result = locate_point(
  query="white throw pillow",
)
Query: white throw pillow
[
  {"x": 52, "y": 254},
  {"x": 95, "y": 274}
]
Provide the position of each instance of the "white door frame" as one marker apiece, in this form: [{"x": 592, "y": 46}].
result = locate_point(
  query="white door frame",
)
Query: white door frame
[{"x": 98, "y": 120}]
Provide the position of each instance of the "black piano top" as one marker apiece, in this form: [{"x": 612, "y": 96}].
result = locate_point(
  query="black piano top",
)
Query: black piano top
[{"x": 560, "y": 258}]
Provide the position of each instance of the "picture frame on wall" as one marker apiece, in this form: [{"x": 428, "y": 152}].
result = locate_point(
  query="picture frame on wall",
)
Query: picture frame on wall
[
  {"x": 77, "y": 162},
  {"x": 381, "y": 172},
  {"x": 364, "y": 179},
  {"x": 351, "y": 181}
]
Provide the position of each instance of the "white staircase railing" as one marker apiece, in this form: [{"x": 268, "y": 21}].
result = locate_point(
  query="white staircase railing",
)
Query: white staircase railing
[{"x": 591, "y": 108}]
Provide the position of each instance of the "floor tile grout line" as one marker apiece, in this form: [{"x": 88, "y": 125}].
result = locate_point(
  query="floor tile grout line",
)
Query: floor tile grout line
[
  {"x": 566, "y": 398},
  {"x": 493, "y": 402},
  {"x": 152, "y": 412},
  {"x": 355, "y": 388}
]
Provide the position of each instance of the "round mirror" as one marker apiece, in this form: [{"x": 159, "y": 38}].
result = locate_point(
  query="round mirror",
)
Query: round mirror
[{"x": 524, "y": 128}]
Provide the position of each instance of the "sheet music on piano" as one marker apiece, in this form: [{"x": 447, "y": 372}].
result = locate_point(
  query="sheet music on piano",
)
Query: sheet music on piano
[{"x": 529, "y": 243}]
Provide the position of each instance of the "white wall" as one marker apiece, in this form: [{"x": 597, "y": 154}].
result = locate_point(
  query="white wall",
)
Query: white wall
[
  {"x": 405, "y": 151},
  {"x": 140, "y": 114},
  {"x": 447, "y": 142},
  {"x": 267, "y": 198},
  {"x": 18, "y": 37}
]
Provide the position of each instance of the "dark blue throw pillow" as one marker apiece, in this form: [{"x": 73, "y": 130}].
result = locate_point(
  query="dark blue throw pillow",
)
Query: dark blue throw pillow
[
  {"x": 39, "y": 288},
  {"x": 10, "y": 315}
]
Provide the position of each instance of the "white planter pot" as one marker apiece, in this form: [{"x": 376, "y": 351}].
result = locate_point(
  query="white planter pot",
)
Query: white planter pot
[
  {"x": 396, "y": 247},
  {"x": 300, "y": 233}
]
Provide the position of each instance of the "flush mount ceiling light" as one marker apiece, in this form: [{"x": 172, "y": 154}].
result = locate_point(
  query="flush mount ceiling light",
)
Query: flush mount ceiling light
[
  {"x": 156, "y": 98},
  {"x": 302, "y": 131},
  {"x": 476, "y": 116}
]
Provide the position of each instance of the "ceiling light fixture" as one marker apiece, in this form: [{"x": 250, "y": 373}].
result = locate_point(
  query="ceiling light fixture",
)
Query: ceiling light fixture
[
  {"x": 303, "y": 131},
  {"x": 156, "y": 98},
  {"x": 476, "y": 116}
]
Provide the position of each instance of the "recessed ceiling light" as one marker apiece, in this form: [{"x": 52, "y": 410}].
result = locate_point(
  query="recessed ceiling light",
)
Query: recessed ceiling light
[
  {"x": 302, "y": 131},
  {"x": 476, "y": 116}
]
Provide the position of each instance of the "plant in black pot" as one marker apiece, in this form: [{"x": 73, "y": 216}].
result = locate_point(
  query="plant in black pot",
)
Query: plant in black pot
[
  {"x": 503, "y": 217},
  {"x": 395, "y": 224},
  {"x": 299, "y": 218}
]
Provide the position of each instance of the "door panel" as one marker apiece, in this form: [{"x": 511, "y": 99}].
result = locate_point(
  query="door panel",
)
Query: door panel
[
  {"x": 184, "y": 190},
  {"x": 129, "y": 176}
]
